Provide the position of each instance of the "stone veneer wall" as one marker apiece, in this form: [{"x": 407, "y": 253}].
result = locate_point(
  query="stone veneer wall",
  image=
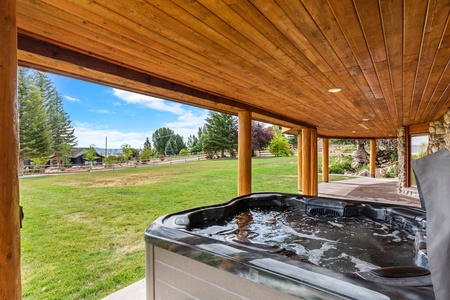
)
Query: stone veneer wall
[
  {"x": 401, "y": 149},
  {"x": 439, "y": 136}
]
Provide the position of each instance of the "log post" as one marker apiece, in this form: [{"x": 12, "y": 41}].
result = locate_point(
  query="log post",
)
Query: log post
[
  {"x": 373, "y": 157},
  {"x": 10, "y": 284},
  {"x": 325, "y": 159},
  {"x": 306, "y": 161},
  {"x": 314, "y": 173},
  {"x": 244, "y": 153},
  {"x": 408, "y": 171},
  {"x": 299, "y": 160}
]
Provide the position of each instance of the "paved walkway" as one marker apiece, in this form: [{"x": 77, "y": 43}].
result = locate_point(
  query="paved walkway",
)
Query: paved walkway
[
  {"x": 363, "y": 188},
  {"x": 368, "y": 189}
]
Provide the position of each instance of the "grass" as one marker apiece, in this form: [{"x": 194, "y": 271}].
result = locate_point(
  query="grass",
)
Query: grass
[{"x": 82, "y": 235}]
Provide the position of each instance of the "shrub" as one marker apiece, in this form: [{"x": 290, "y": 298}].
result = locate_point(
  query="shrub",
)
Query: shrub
[{"x": 392, "y": 172}]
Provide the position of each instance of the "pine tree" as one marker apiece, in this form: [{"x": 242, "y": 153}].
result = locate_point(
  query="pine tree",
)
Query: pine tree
[
  {"x": 220, "y": 133},
  {"x": 60, "y": 124},
  {"x": 147, "y": 144},
  {"x": 34, "y": 131}
]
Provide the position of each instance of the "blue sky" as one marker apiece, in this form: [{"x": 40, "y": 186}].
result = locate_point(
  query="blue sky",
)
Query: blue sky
[{"x": 99, "y": 111}]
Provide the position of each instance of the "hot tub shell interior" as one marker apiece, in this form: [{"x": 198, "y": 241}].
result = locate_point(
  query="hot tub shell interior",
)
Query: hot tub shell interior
[{"x": 184, "y": 265}]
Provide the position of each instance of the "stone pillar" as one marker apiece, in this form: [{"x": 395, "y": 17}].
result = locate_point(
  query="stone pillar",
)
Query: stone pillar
[
  {"x": 439, "y": 136},
  {"x": 245, "y": 153},
  {"x": 10, "y": 285},
  {"x": 401, "y": 149}
]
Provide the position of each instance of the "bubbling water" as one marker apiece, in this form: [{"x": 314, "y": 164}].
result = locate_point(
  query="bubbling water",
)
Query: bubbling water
[{"x": 341, "y": 244}]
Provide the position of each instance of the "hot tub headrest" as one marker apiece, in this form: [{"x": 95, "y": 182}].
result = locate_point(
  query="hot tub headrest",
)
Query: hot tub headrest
[{"x": 433, "y": 181}]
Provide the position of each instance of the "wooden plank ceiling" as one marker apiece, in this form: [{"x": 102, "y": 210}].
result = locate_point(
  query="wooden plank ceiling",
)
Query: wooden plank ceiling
[{"x": 278, "y": 58}]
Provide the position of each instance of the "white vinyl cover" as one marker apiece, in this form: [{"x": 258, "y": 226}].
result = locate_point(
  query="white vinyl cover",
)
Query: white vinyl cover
[{"x": 433, "y": 182}]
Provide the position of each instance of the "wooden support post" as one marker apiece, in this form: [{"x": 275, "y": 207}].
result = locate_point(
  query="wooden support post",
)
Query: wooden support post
[
  {"x": 306, "y": 161},
  {"x": 245, "y": 153},
  {"x": 373, "y": 157},
  {"x": 314, "y": 172},
  {"x": 10, "y": 285},
  {"x": 299, "y": 160},
  {"x": 325, "y": 159},
  {"x": 408, "y": 170}
]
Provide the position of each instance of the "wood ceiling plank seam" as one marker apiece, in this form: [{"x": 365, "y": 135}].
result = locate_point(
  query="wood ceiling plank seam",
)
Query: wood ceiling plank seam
[
  {"x": 343, "y": 10},
  {"x": 444, "y": 109},
  {"x": 370, "y": 21},
  {"x": 437, "y": 16},
  {"x": 414, "y": 20},
  {"x": 394, "y": 51},
  {"x": 317, "y": 8},
  {"x": 445, "y": 41},
  {"x": 433, "y": 106},
  {"x": 384, "y": 77},
  {"x": 439, "y": 75}
]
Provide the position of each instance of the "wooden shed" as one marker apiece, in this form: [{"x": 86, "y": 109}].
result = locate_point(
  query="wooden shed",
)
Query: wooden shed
[{"x": 329, "y": 69}]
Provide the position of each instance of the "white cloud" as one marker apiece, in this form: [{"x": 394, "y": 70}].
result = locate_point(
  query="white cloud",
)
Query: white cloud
[
  {"x": 103, "y": 111},
  {"x": 188, "y": 123},
  {"x": 91, "y": 134},
  {"x": 72, "y": 99},
  {"x": 150, "y": 102}
]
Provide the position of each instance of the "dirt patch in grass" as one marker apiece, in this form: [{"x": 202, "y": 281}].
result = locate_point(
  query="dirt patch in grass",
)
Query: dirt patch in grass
[{"x": 116, "y": 181}]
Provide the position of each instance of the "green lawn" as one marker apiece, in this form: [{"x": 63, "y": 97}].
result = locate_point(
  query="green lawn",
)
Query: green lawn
[{"x": 82, "y": 235}]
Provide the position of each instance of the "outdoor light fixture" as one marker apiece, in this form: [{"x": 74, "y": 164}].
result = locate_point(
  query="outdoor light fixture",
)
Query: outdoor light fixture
[{"x": 335, "y": 90}]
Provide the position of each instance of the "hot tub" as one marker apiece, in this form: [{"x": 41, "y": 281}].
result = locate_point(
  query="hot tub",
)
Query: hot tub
[{"x": 269, "y": 245}]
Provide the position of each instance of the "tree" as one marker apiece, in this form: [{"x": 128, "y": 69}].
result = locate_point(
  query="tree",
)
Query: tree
[
  {"x": 127, "y": 152},
  {"x": 195, "y": 143},
  {"x": 160, "y": 138},
  {"x": 279, "y": 145},
  {"x": 220, "y": 133},
  {"x": 147, "y": 144},
  {"x": 261, "y": 136},
  {"x": 169, "y": 150},
  {"x": 34, "y": 130},
  {"x": 178, "y": 143},
  {"x": 90, "y": 155},
  {"x": 62, "y": 132}
]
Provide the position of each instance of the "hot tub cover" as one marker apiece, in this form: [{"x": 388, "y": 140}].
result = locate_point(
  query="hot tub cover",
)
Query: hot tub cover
[{"x": 433, "y": 181}]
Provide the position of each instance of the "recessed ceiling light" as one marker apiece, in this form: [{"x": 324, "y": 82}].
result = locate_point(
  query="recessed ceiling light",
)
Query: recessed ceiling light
[
  {"x": 353, "y": 131},
  {"x": 335, "y": 90}
]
